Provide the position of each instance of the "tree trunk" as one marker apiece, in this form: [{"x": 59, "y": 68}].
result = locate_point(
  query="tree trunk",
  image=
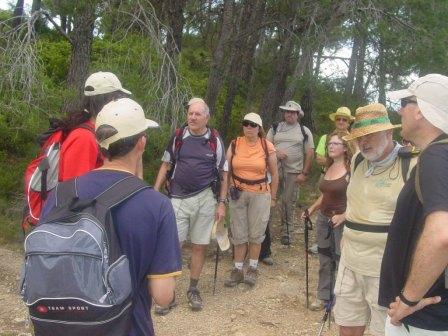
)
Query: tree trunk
[
  {"x": 358, "y": 90},
  {"x": 381, "y": 75},
  {"x": 176, "y": 20},
  {"x": 81, "y": 38},
  {"x": 242, "y": 56},
  {"x": 18, "y": 14},
  {"x": 63, "y": 22},
  {"x": 352, "y": 68},
  {"x": 215, "y": 77},
  {"x": 304, "y": 60}
]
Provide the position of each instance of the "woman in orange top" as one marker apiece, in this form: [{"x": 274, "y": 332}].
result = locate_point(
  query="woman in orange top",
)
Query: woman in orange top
[{"x": 251, "y": 158}]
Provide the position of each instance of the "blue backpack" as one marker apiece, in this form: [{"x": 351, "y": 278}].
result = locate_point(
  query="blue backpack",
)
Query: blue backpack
[{"x": 75, "y": 278}]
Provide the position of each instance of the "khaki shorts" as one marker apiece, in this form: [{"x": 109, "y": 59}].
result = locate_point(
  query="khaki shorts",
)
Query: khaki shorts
[
  {"x": 195, "y": 216},
  {"x": 357, "y": 301},
  {"x": 249, "y": 216}
]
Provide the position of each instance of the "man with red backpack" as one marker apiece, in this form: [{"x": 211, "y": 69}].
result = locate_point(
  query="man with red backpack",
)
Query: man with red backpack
[
  {"x": 69, "y": 148},
  {"x": 195, "y": 166}
]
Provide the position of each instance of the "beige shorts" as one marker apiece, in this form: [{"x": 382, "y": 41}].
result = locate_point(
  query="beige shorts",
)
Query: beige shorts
[
  {"x": 392, "y": 330},
  {"x": 357, "y": 301},
  {"x": 249, "y": 216},
  {"x": 195, "y": 216}
]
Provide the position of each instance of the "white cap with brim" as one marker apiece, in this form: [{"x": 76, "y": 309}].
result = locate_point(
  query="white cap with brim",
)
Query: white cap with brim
[
  {"x": 222, "y": 236},
  {"x": 126, "y": 117},
  {"x": 292, "y": 106},
  {"x": 431, "y": 92},
  {"x": 255, "y": 118},
  {"x": 102, "y": 83}
]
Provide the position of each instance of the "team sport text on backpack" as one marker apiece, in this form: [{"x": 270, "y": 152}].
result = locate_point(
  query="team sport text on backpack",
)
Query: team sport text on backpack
[
  {"x": 213, "y": 144},
  {"x": 42, "y": 173},
  {"x": 75, "y": 279}
]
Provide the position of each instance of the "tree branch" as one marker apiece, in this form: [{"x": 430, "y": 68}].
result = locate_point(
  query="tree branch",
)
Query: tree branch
[{"x": 58, "y": 28}]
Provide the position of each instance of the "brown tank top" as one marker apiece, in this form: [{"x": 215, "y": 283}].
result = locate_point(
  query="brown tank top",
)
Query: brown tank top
[{"x": 334, "y": 196}]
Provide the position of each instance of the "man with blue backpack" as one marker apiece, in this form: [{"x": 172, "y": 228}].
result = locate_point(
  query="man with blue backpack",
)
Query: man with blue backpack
[{"x": 106, "y": 244}]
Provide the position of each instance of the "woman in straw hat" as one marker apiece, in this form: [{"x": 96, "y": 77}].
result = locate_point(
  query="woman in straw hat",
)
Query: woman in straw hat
[
  {"x": 251, "y": 158},
  {"x": 331, "y": 202}
]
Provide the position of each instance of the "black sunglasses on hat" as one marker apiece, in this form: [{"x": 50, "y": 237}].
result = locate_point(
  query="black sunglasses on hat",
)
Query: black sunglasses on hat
[
  {"x": 247, "y": 123},
  {"x": 407, "y": 100}
]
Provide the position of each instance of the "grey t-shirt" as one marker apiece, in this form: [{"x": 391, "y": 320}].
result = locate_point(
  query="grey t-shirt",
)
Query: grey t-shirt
[
  {"x": 194, "y": 169},
  {"x": 289, "y": 138}
]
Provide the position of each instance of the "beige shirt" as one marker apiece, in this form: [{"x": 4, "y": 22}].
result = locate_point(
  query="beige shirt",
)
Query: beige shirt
[
  {"x": 289, "y": 138},
  {"x": 370, "y": 200}
]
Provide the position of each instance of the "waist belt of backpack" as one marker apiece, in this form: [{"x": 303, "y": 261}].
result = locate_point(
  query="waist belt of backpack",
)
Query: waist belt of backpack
[
  {"x": 367, "y": 227},
  {"x": 249, "y": 182}
]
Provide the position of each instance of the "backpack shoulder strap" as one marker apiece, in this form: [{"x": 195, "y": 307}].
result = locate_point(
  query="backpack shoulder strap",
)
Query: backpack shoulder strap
[
  {"x": 121, "y": 191},
  {"x": 358, "y": 159},
  {"x": 274, "y": 128}
]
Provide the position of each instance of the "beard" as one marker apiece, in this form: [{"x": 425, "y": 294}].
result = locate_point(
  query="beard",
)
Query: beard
[{"x": 374, "y": 154}]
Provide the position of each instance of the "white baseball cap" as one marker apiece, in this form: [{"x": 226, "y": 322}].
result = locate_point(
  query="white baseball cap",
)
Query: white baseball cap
[
  {"x": 292, "y": 106},
  {"x": 101, "y": 83},
  {"x": 126, "y": 117},
  {"x": 431, "y": 92},
  {"x": 222, "y": 236},
  {"x": 255, "y": 118}
]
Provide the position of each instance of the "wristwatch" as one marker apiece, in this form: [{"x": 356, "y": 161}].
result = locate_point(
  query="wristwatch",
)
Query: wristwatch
[{"x": 223, "y": 200}]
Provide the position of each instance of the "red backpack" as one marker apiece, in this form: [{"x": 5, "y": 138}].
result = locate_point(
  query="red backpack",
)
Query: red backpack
[{"x": 42, "y": 173}]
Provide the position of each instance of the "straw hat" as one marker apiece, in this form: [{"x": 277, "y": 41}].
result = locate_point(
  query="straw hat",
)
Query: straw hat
[
  {"x": 342, "y": 112},
  {"x": 370, "y": 119}
]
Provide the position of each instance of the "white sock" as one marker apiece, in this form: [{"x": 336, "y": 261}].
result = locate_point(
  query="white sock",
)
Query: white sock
[
  {"x": 239, "y": 265},
  {"x": 253, "y": 263}
]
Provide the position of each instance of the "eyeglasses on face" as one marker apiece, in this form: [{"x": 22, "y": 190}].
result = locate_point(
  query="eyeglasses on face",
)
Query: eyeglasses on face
[
  {"x": 341, "y": 119},
  {"x": 407, "y": 100},
  {"x": 334, "y": 144},
  {"x": 247, "y": 123}
]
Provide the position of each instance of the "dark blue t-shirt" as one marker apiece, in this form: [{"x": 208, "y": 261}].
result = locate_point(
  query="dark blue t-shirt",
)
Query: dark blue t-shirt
[
  {"x": 146, "y": 228},
  {"x": 195, "y": 165}
]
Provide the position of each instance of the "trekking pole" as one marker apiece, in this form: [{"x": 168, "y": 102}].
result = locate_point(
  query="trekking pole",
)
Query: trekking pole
[
  {"x": 285, "y": 241},
  {"x": 329, "y": 304},
  {"x": 216, "y": 268},
  {"x": 308, "y": 226}
]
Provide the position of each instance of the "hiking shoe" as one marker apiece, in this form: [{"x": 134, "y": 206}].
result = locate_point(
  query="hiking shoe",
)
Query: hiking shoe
[
  {"x": 267, "y": 261},
  {"x": 313, "y": 249},
  {"x": 162, "y": 311},
  {"x": 285, "y": 240},
  {"x": 194, "y": 299},
  {"x": 236, "y": 277},
  {"x": 251, "y": 276},
  {"x": 317, "y": 305}
]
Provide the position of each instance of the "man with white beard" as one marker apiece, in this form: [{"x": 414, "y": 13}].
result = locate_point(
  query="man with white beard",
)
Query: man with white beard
[{"x": 378, "y": 173}]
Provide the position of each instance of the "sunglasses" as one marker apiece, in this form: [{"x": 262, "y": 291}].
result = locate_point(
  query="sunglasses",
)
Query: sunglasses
[
  {"x": 406, "y": 101},
  {"x": 247, "y": 123}
]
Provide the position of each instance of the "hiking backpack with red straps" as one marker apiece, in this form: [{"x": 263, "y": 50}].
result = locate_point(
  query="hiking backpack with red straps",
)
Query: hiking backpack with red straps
[{"x": 42, "y": 173}]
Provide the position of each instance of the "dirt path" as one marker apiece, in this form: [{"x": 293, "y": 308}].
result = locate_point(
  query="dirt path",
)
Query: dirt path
[{"x": 276, "y": 306}]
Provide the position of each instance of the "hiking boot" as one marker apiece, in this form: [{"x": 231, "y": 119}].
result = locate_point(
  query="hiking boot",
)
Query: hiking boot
[
  {"x": 317, "y": 305},
  {"x": 194, "y": 299},
  {"x": 267, "y": 261},
  {"x": 251, "y": 276},
  {"x": 236, "y": 277},
  {"x": 285, "y": 240},
  {"x": 162, "y": 311}
]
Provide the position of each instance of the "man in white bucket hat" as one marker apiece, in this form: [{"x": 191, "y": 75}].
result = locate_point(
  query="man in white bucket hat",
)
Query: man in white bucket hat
[{"x": 414, "y": 278}]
